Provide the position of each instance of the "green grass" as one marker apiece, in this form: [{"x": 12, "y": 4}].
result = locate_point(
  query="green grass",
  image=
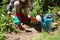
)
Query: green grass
[{"x": 46, "y": 36}]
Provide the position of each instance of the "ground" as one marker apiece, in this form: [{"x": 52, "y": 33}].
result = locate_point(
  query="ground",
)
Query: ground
[{"x": 22, "y": 35}]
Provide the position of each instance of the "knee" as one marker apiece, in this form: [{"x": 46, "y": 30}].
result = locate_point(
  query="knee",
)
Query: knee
[{"x": 16, "y": 3}]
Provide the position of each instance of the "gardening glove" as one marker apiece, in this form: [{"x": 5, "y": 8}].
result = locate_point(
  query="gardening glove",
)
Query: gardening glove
[
  {"x": 16, "y": 21},
  {"x": 38, "y": 18}
]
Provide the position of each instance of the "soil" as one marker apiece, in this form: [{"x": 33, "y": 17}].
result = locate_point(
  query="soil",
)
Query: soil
[{"x": 22, "y": 35}]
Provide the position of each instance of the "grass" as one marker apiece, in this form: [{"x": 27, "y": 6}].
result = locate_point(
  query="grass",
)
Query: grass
[{"x": 46, "y": 36}]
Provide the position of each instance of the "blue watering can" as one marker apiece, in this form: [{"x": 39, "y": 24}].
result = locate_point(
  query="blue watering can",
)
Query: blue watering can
[
  {"x": 46, "y": 22},
  {"x": 16, "y": 21}
]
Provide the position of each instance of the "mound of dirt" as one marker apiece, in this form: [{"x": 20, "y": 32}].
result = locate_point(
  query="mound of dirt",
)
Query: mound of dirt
[{"x": 22, "y": 35}]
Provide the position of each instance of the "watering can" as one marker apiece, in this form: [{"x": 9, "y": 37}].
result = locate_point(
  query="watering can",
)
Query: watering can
[
  {"x": 16, "y": 21},
  {"x": 46, "y": 22}
]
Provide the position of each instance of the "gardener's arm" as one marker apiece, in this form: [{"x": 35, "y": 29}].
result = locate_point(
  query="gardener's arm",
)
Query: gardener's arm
[{"x": 10, "y": 6}]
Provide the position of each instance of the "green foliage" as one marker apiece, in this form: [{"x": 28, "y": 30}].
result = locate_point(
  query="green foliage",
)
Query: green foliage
[
  {"x": 5, "y": 21},
  {"x": 46, "y": 36},
  {"x": 5, "y": 1},
  {"x": 33, "y": 13},
  {"x": 2, "y": 36},
  {"x": 37, "y": 8}
]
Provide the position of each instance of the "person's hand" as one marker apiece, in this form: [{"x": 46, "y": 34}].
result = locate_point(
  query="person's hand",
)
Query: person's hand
[
  {"x": 9, "y": 13},
  {"x": 38, "y": 18},
  {"x": 12, "y": 16},
  {"x": 29, "y": 16}
]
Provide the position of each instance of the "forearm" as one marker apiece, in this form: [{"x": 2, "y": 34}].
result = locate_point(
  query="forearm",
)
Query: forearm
[
  {"x": 11, "y": 5},
  {"x": 9, "y": 8}
]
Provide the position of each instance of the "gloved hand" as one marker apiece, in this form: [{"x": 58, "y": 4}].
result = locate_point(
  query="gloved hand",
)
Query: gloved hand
[
  {"x": 16, "y": 21},
  {"x": 38, "y": 18}
]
